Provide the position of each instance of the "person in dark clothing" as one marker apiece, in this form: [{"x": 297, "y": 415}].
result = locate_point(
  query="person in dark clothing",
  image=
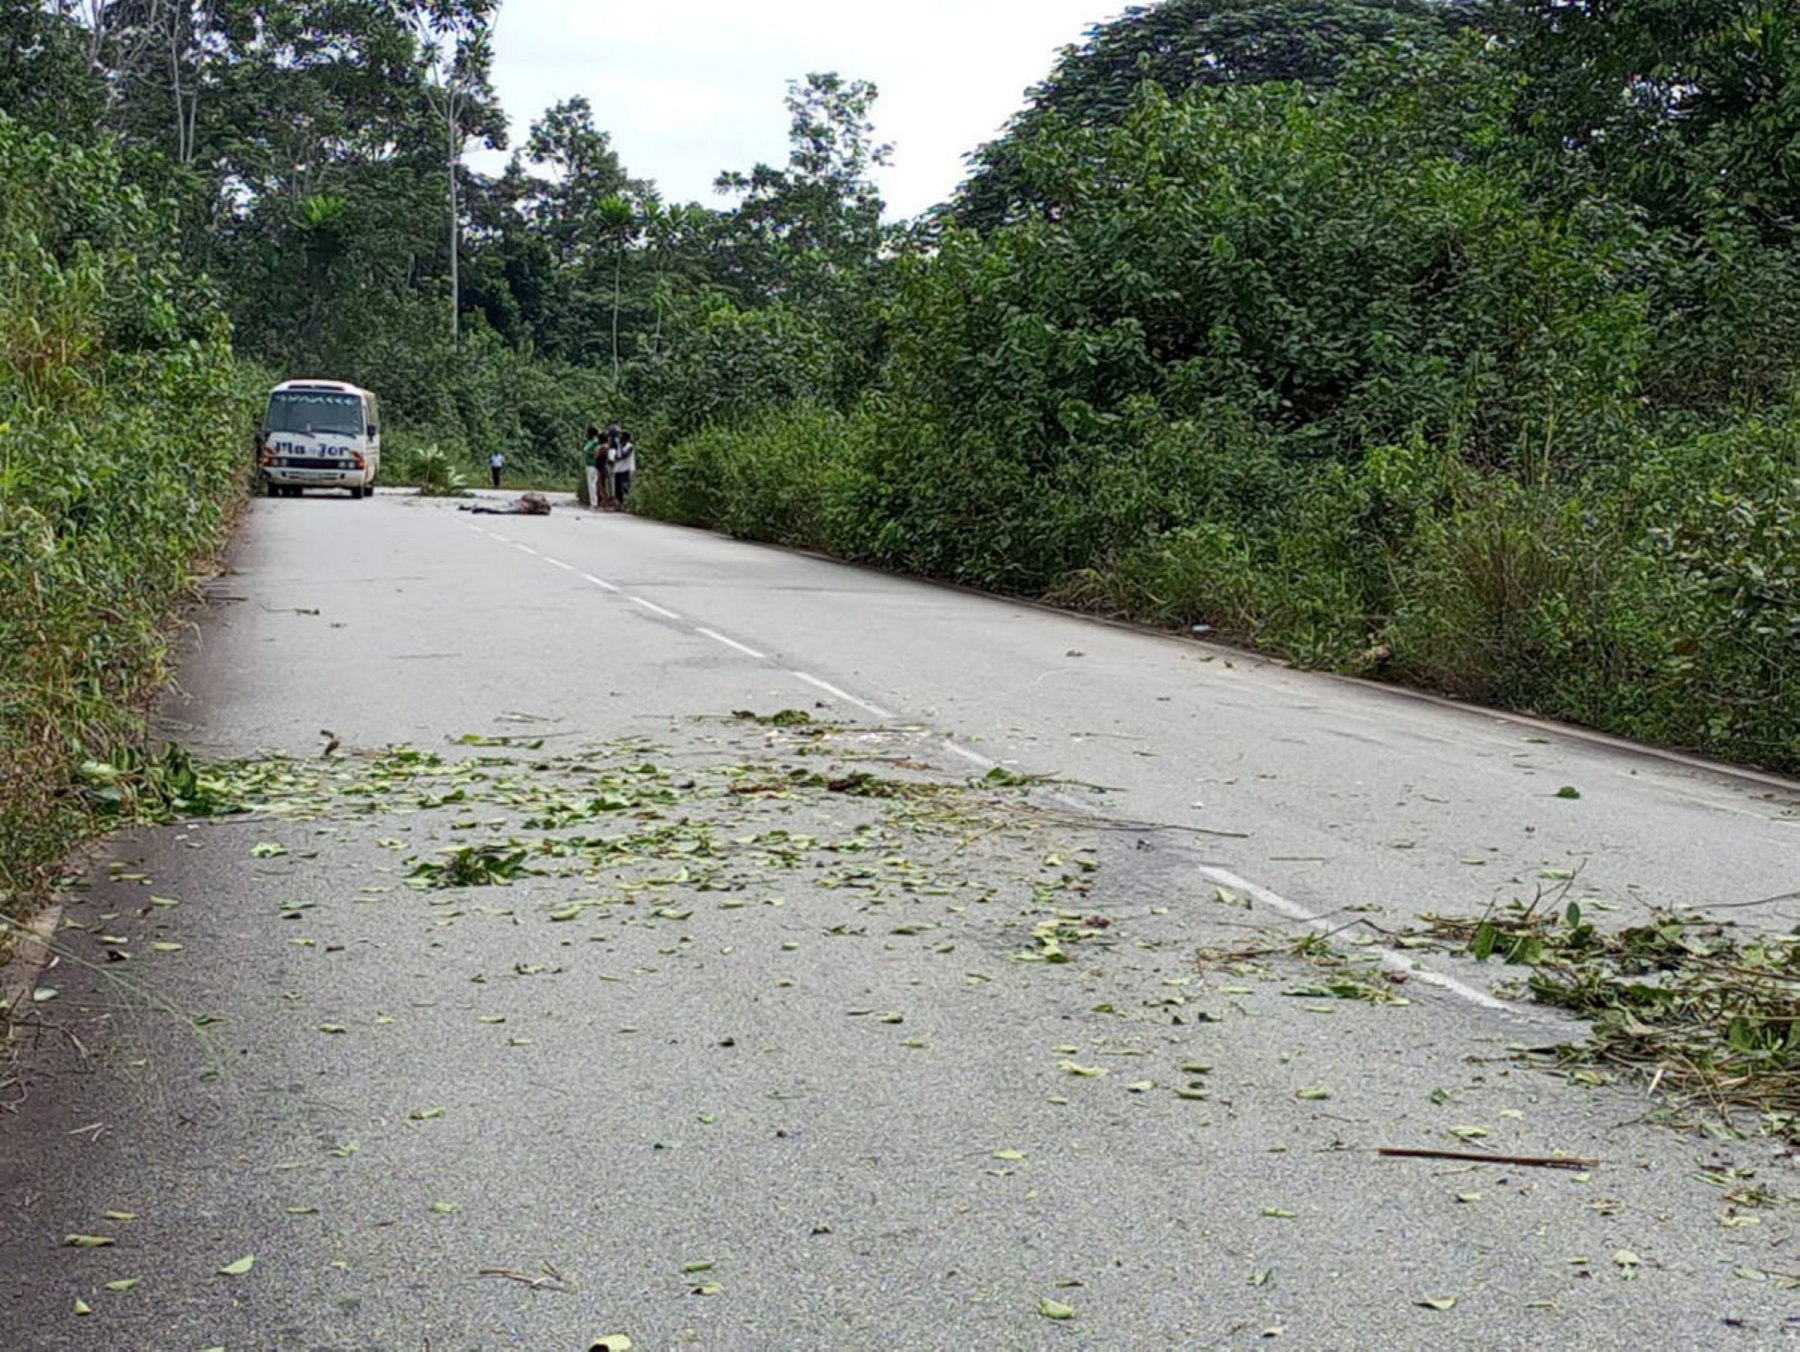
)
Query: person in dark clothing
[
  {"x": 624, "y": 465},
  {"x": 617, "y": 443}
]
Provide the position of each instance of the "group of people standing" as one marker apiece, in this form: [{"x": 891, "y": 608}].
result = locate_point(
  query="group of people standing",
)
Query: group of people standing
[{"x": 611, "y": 460}]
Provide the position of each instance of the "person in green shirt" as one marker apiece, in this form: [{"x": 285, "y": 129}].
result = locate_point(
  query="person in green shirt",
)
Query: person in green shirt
[{"x": 593, "y": 457}]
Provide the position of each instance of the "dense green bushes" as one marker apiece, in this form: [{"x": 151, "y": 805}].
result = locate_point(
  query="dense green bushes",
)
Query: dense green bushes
[
  {"x": 124, "y": 433},
  {"x": 1332, "y": 373},
  {"x": 771, "y": 477},
  {"x": 1660, "y": 599}
]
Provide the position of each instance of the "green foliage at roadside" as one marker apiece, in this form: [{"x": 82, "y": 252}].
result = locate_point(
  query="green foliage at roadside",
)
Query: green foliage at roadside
[
  {"x": 772, "y": 476},
  {"x": 124, "y": 432},
  {"x": 424, "y": 465},
  {"x": 1331, "y": 372}
]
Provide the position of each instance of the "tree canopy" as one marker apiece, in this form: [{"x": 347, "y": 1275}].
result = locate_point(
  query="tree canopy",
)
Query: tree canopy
[{"x": 1184, "y": 45}]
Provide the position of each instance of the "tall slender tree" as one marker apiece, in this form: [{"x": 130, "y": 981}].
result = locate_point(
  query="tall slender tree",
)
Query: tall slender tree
[
  {"x": 456, "y": 47},
  {"x": 619, "y": 219}
]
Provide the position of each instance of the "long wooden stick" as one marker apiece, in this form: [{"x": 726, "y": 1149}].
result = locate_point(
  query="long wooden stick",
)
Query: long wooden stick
[{"x": 1526, "y": 1161}]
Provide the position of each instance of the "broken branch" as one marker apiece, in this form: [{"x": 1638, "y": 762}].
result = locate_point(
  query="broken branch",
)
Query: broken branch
[{"x": 1525, "y": 1161}]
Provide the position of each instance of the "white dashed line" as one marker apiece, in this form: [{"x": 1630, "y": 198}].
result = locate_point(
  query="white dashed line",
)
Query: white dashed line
[
  {"x": 844, "y": 695},
  {"x": 1390, "y": 958},
  {"x": 731, "y": 643},
  {"x": 1219, "y": 877},
  {"x": 973, "y": 757}
]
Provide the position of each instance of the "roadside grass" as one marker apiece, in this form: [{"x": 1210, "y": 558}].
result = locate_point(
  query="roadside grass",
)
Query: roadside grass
[{"x": 428, "y": 467}]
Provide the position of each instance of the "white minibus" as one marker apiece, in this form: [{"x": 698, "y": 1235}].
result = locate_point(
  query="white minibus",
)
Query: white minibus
[{"x": 319, "y": 434}]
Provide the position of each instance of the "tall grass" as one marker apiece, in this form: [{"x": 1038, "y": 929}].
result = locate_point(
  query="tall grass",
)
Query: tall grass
[{"x": 124, "y": 440}]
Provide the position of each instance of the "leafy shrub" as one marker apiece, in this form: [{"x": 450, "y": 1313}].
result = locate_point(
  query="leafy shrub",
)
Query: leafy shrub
[
  {"x": 126, "y": 439},
  {"x": 1323, "y": 372},
  {"x": 426, "y": 466},
  {"x": 1714, "y": 606},
  {"x": 772, "y": 477},
  {"x": 1495, "y": 600}
]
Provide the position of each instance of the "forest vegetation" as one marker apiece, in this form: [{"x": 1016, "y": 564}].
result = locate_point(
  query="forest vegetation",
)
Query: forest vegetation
[{"x": 1450, "y": 342}]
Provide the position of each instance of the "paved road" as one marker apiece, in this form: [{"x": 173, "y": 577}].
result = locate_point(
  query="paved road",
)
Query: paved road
[{"x": 632, "y": 1063}]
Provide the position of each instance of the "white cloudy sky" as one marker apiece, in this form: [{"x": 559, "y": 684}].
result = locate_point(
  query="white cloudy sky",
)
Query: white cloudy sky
[{"x": 690, "y": 87}]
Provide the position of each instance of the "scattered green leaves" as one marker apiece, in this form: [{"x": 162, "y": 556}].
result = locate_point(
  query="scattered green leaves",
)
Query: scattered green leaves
[{"x": 1680, "y": 998}]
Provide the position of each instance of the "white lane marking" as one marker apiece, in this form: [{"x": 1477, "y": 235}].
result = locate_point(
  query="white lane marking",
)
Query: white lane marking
[
  {"x": 558, "y": 563},
  {"x": 844, "y": 695},
  {"x": 973, "y": 757},
  {"x": 731, "y": 643},
  {"x": 1390, "y": 958}
]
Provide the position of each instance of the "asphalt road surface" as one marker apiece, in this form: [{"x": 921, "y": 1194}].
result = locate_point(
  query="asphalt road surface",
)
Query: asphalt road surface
[{"x": 548, "y": 998}]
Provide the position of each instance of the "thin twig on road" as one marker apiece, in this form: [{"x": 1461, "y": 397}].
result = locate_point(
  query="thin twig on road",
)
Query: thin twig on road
[
  {"x": 552, "y": 1280},
  {"x": 1526, "y": 1161}
]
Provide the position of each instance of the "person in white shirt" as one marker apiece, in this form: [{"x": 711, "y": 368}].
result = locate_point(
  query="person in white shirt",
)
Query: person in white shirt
[
  {"x": 495, "y": 461},
  {"x": 624, "y": 464}
]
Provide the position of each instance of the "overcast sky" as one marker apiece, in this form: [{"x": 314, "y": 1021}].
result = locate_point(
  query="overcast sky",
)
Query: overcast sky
[{"x": 690, "y": 87}]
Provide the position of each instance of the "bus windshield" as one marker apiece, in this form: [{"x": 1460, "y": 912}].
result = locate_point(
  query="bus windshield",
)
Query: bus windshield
[{"x": 316, "y": 411}]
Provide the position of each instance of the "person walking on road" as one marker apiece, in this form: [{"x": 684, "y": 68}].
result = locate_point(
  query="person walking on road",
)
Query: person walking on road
[{"x": 495, "y": 461}]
